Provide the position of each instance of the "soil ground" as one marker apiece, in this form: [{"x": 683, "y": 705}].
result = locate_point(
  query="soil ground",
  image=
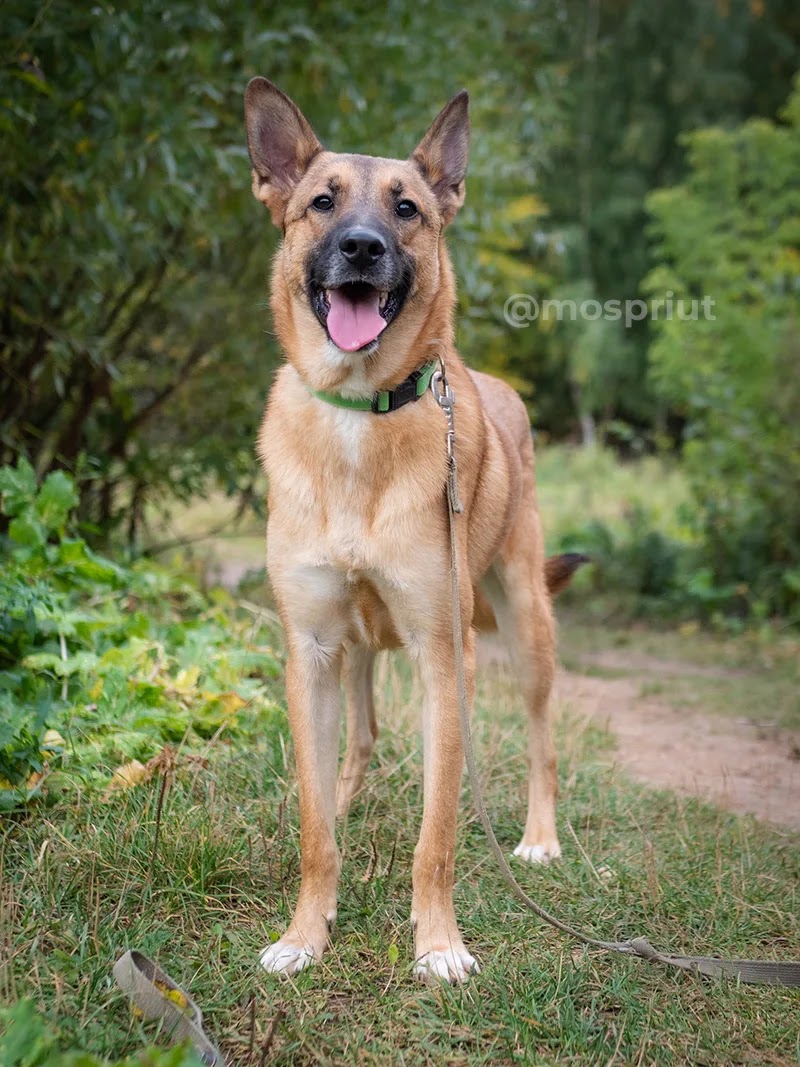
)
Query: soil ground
[{"x": 747, "y": 766}]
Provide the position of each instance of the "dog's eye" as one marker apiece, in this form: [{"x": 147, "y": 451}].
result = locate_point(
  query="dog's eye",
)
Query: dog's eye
[
  {"x": 406, "y": 209},
  {"x": 322, "y": 203}
]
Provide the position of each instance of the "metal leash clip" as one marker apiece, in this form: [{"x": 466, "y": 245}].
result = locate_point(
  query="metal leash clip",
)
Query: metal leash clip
[{"x": 446, "y": 399}]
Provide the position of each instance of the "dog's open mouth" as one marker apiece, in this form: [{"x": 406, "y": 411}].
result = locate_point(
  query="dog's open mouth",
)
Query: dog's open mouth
[{"x": 355, "y": 314}]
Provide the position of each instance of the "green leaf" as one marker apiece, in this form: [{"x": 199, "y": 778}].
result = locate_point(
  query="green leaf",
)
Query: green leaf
[
  {"x": 27, "y": 530},
  {"x": 17, "y": 487},
  {"x": 81, "y": 561},
  {"x": 80, "y": 663},
  {"x": 56, "y": 499}
]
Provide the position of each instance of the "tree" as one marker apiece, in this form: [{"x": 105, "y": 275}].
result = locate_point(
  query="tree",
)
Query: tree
[
  {"x": 731, "y": 232},
  {"x": 123, "y": 180},
  {"x": 615, "y": 86},
  {"x": 133, "y": 343}
]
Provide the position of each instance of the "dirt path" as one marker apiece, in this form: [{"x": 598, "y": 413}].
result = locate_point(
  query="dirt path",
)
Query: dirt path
[{"x": 734, "y": 763}]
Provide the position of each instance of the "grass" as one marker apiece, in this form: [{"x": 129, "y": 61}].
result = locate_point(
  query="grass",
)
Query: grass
[
  {"x": 579, "y": 485},
  {"x": 203, "y": 881},
  {"x": 82, "y": 881},
  {"x": 222, "y": 544}
]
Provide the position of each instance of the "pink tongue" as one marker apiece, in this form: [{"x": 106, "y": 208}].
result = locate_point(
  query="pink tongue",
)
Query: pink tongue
[{"x": 354, "y": 323}]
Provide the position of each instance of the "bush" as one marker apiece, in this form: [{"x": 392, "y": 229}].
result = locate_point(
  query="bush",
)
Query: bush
[
  {"x": 103, "y": 663},
  {"x": 638, "y": 523},
  {"x": 27, "y": 1041},
  {"x": 731, "y": 232}
]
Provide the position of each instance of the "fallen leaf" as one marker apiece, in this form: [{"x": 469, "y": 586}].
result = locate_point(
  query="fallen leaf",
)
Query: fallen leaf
[
  {"x": 126, "y": 777},
  {"x": 52, "y": 739},
  {"x": 186, "y": 680},
  {"x": 231, "y": 703}
]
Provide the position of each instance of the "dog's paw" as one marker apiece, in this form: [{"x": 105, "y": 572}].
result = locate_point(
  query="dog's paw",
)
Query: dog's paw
[
  {"x": 453, "y": 965},
  {"x": 283, "y": 957},
  {"x": 542, "y": 853}
]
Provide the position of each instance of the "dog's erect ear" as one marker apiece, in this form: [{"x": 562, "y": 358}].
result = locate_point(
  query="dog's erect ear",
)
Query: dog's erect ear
[
  {"x": 281, "y": 144},
  {"x": 442, "y": 154}
]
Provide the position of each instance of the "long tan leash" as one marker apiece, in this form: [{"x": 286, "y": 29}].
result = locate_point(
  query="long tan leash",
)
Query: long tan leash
[{"x": 764, "y": 972}]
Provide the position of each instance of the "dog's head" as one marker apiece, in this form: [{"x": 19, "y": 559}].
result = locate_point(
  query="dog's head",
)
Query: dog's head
[{"x": 362, "y": 268}]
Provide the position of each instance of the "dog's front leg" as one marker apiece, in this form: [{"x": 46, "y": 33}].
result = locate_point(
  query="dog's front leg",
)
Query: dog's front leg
[
  {"x": 439, "y": 949},
  {"x": 312, "y": 691}
]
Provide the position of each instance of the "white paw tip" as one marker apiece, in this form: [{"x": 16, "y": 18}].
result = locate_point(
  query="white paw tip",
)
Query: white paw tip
[
  {"x": 538, "y": 853},
  {"x": 452, "y": 965},
  {"x": 283, "y": 958}
]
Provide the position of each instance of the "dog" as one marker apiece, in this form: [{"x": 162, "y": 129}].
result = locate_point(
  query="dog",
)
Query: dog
[{"x": 358, "y": 553}]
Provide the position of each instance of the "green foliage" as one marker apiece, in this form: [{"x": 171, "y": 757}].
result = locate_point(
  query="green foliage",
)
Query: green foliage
[
  {"x": 123, "y": 179},
  {"x": 638, "y": 522},
  {"x": 131, "y": 339},
  {"x": 26, "y": 1040},
  {"x": 732, "y": 232},
  {"x": 132, "y": 334},
  {"x": 611, "y": 88},
  {"x": 102, "y": 663}
]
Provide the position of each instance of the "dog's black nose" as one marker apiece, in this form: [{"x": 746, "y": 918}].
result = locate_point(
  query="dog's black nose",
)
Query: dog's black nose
[{"x": 361, "y": 247}]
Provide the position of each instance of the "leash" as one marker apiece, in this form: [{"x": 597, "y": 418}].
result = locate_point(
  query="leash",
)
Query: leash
[
  {"x": 764, "y": 972},
  {"x": 155, "y": 996}
]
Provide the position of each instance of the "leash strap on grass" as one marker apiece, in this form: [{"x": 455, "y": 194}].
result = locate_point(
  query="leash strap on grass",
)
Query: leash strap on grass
[
  {"x": 153, "y": 993},
  {"x": 763, "y": 972}
]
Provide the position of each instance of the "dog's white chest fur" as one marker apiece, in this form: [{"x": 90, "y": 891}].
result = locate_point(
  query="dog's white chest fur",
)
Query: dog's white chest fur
[
  {"x": 338, "y": 536},
  {"x": 350, "y": 428}
]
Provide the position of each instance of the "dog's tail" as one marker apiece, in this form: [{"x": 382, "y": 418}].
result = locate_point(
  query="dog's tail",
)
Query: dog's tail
[{"x": 558, "y": 570}]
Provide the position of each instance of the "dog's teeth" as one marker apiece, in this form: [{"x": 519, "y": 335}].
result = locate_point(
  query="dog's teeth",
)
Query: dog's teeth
[{"x": 384, "y": 296}]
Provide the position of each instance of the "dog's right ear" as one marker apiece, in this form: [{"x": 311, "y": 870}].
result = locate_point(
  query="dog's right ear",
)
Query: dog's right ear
[{"x": 281, "y": 143}]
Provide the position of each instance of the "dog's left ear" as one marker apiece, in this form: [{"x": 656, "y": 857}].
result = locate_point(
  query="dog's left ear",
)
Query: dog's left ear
[
  {"x": 281, "y": 144},
  {"x": 442, "y": 155}
]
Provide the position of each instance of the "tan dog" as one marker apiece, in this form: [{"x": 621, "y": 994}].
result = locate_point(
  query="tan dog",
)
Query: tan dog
[{"x": 357, "y": 540}]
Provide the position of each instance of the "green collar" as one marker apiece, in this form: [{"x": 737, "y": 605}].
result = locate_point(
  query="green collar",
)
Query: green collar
[{"x": 385, "y": 400}]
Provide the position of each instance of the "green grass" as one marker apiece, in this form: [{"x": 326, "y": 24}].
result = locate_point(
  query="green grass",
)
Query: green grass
[
  {"x": 202, "y": 882},
  {"x": 81, "y": 882},
  {"x": 579, "y": 485},
  {"x": 217, "y": 541}
]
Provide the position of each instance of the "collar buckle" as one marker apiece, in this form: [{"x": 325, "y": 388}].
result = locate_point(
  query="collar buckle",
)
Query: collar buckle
[{"x": 405, "y": 393}]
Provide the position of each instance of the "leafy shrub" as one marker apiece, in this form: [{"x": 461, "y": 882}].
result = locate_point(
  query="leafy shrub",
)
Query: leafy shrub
[
  {"x": 103, "y": 663},
  {"x": 26, "y": 1040},
  {"x": 650, "y": 573},
  {"x": 731, "y": 233}
]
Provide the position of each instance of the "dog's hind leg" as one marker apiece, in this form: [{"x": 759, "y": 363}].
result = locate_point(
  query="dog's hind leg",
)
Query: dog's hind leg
[
  {"x": 522, "y": 607},
  {"x": 362, "y": 728}
]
